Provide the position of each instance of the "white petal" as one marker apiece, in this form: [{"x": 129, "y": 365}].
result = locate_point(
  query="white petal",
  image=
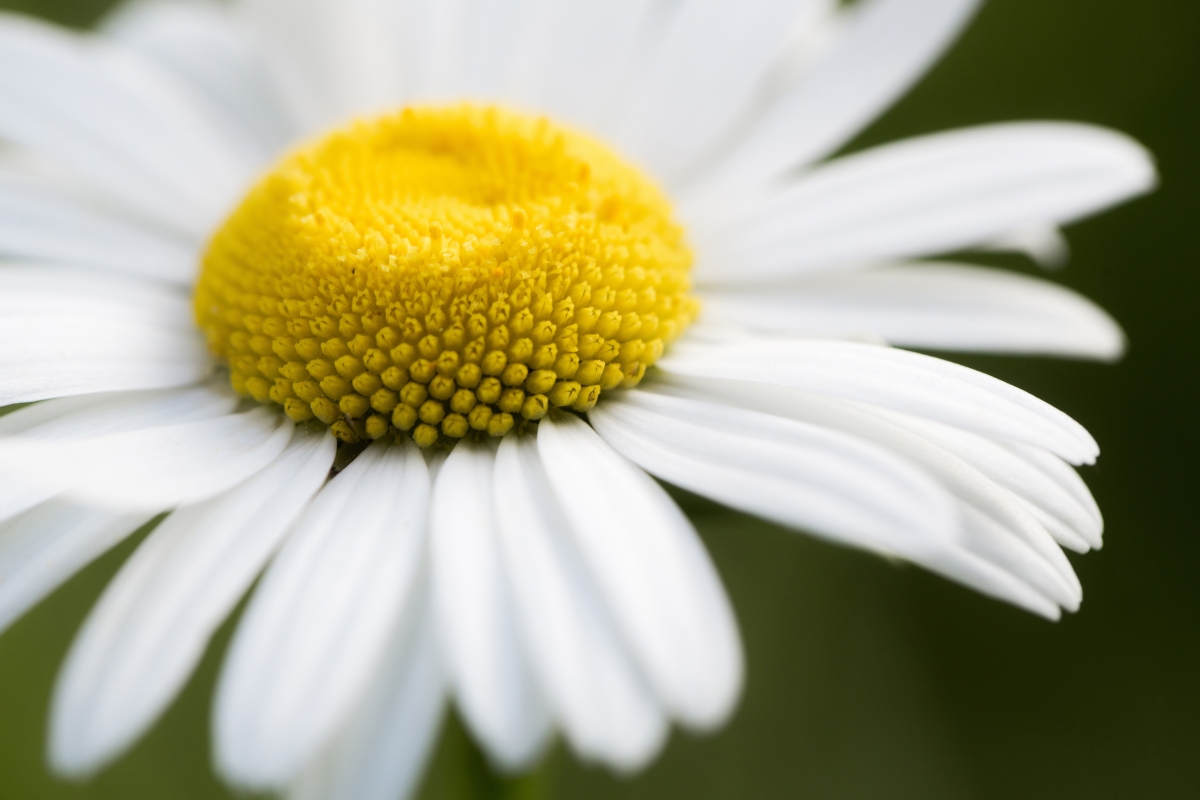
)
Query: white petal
[
  {"x": 895, "y": 379},
  {"x": 317, "y": 628},
  {"x": 586, "y": 52},
  {"x": 42, "y": 222},
  {"x": 474, "y": 611},
  {"x": 932, "y": 194},
  {"x": 934, "y": 306},
  {"x": 42, "y": 548},
  {"x": 804, "y": 476},
  {"x": 436, "y": 46},
  {"x": 707, "y": 71},
  {"x": 119, "y": 121},
  {"x": 655, "y": 576},
  {"x": 1018, "y": 543},
  {"x": 200, "y": 42},
  {"x": 153, "y": 468},
  {"x": 1043, "y": 242},
  {"x": 91, "y": 415},
  {"x": 150, "y": 628},
  {"x": 887, "y": 45},
  {"x": 1031, "y": 480},
  {"x": 381, "y": 754},
  {"x": 96, "y": 414},
  {"x": 332, "y": 60},
  {"x": 603, "y": 704},
  {"x": 40, "y": 289},
  {"x": 71, "y": 331}
]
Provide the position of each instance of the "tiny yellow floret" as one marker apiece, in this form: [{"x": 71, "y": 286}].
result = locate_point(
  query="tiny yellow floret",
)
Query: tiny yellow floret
[{"x": 444, "y": 270}]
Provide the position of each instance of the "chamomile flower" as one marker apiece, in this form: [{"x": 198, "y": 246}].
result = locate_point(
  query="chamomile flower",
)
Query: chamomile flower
[{"x": 401, "y": 303}]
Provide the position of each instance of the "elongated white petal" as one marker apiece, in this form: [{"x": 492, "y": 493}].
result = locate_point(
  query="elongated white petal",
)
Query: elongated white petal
[
  {"x": 1022, "y": 546},
  {"x": 201, "y": 43},
  {"x": 658, "y": 582},
  {"x": 706, "y": 72},
  {"x": 38, "y": 289},
  {"x": 118, "y": 120},
  {"x": 151, "y": 626},
  {"x": 45, "y": 223},
  {"x": 935, "y": 306},
  {"x": 92, "y": 415},
  {"x": 928, "y": 195},
  {"x": 97, "y": 414},
  {"x": 318, "y": 627},
  {"x": 895, "y": 379},
  {"x": 153, "y": 468},
  {"x": 886, "y": 46},
  {"x": 799, "y": 475},
  {"x": 59, "y": 353},
  {"x": 473, "y": 607},
  {"x": 381, "y": 753},
  {"x": 1030, "y": 479},
  {"x": 586, "y": 51},
  {"x": 332, "y": 60},
  {"x": 603, "y": 704},
  {"x": 42, "y": 548},
  {"x": 437, "y": 45}
]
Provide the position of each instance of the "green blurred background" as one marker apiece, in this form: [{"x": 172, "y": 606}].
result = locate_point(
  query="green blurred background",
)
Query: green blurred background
[{"x": 872, "y": 681}]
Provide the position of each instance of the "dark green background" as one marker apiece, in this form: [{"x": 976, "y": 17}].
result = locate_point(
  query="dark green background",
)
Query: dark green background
[{"x": 867, "y": 680}]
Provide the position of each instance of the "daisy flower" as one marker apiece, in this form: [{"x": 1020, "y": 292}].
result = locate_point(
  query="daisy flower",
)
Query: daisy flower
[{"x": 400, "y": 304}]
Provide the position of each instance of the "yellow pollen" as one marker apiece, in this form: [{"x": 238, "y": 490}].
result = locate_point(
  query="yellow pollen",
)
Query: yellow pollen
[{"x": 440, "y": 271}]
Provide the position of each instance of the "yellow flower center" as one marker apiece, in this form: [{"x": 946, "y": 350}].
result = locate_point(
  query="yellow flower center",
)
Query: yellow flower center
[{"x": 441, "y": 271}]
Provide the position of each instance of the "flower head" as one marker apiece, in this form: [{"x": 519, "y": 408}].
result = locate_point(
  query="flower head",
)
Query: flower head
[{"x": 311, "y": 282}]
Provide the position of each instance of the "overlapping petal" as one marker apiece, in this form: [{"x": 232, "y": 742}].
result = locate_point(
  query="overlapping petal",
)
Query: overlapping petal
[
  {"x": 149, "y": 629},
  {"x": 318, "y": 627}
]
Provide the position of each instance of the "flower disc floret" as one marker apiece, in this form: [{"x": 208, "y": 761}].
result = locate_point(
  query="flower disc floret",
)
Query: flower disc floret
[{"x": 440, "y": 271}]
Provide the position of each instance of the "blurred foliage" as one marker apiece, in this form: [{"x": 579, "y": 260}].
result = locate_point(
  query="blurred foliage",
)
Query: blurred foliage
[{"x": 867, "y": 680}]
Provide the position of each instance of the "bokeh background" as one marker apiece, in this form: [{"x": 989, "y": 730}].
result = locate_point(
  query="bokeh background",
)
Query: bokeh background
[{"x": 868, "y": 680}]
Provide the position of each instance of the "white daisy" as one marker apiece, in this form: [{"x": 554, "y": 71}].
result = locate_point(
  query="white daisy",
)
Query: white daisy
[{"x": 480, "y": 291}]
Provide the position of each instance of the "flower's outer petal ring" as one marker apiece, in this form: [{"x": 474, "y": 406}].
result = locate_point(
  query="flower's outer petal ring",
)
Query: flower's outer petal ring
[
  {"x": 119, "y": 121},
  {"x": 151, "y": 626},
  {"x": 603, "y": 704},
  {"x": 473, "y": 606},
  {"x": 382, "y": 752},
  {"x": 1015, "y": 540},
  {"x": 704, "y": 74},
  {"x": 923, "y": 196},
  {"x": 929, "y": 306},
  {"x": 806, "y": 477},
  {"x": 42, "y": 548},
  {"x": 153, "y": 468},
  {"x": 44, "y": 223},
  {"x": 202, "y": 44},
  {"x": 887, "y": 45},
  {"x": 318, "y": 626},
  {"x": 657, "y": 580},
  {"x": 896, "y": 379}
]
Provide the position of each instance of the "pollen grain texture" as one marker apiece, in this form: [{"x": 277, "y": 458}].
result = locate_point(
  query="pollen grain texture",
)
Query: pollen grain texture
[{"x": 444, "y": 270}]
